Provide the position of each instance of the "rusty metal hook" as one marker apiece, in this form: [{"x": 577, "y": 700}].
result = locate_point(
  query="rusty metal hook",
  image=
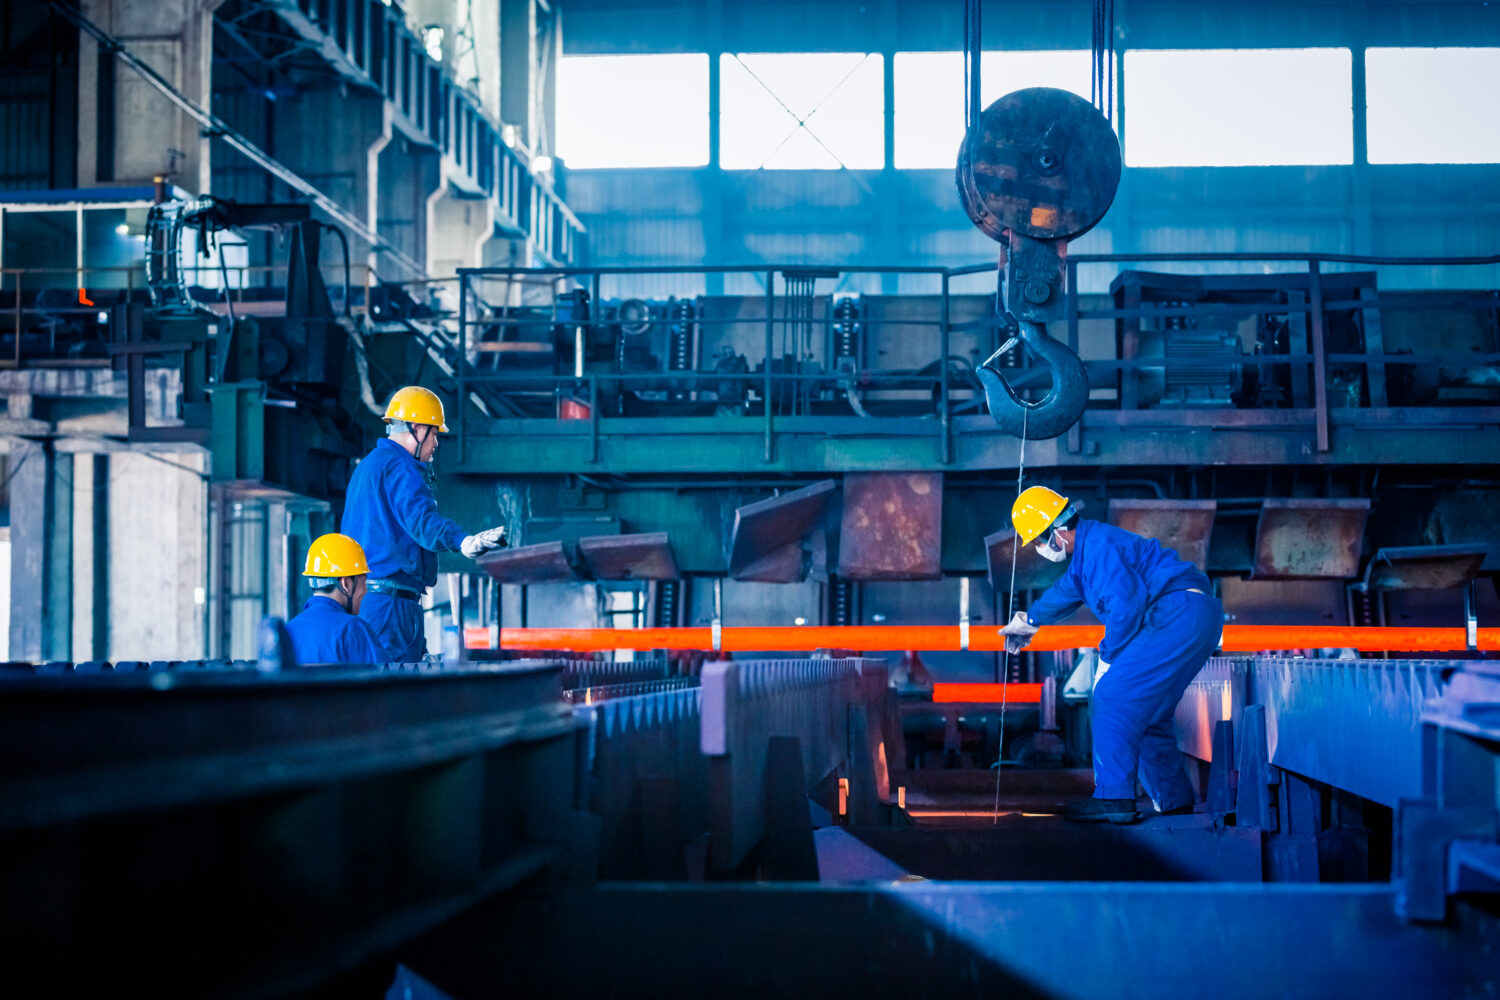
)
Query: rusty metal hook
[
  {"x": 1040, "y": 168},
  {"x": 1058, "y": 409}
]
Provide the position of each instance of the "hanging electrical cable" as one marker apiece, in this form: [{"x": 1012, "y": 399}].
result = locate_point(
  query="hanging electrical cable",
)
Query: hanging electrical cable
[
  {"x": 973, "y": 104},
  {"x": 1102, "y": 59}
]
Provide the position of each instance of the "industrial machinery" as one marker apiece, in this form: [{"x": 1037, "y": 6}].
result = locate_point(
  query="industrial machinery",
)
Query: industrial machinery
[{"x": 746, "y": 639}]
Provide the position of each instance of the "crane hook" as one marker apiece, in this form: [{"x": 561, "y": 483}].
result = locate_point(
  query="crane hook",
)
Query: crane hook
[
  {"x": 1038, "y": 169},
  {"x": 1053, "y": 413}
]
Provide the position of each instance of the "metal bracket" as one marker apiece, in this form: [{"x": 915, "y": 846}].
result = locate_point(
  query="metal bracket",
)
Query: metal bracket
[
  {"x": 1471, "y": 615},
  {"x": 963, "y": 613},
  {"x": 1425, "y": 832},
  {"x": 718, "y": 620}
]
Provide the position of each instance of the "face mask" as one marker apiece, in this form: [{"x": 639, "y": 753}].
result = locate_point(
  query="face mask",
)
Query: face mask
[{"x": 1051, "y": 551}]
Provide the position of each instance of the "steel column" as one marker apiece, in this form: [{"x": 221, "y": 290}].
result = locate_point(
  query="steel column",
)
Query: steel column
[{"x": 1319, "y": 352}]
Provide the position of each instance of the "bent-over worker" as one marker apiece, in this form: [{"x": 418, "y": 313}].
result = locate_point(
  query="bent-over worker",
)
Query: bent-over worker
[
  {"x": 391, "y": 509},
  {"x": 329, "y": 629},
  {"x": 1161, "y": 624}
]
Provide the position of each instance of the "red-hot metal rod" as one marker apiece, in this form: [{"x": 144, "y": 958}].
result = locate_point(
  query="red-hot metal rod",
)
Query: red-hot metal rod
[
  {"x": 944, "y": 638},
  {"x": 987, "y": 694}
]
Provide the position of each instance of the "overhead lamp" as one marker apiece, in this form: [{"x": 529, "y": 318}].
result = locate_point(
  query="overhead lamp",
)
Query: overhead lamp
[
  {"x": 123, "y": 229},
  {"x": 541, "y": 164}
]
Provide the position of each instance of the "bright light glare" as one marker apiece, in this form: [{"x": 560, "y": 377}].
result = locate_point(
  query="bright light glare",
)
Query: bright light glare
[
  {"x": 840, "y": 96},
  {"x": 1432, "y": 105},
  {"x": 633, "y": 111},
  {"x": 1238, "y": 107},
  {"x": 930, "y": 95},
  {"x": 122, "y": 229}
]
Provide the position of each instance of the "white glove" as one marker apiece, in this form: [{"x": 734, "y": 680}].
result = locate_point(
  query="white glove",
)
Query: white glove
[
  {"x": 475, "y": 546},
  {"x": 1018, "y": 633}
]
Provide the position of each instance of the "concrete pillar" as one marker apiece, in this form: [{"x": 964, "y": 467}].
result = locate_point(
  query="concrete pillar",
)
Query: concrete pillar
[
  {"x": 90, "y": 556},
  {"x": 244, "y": 583},
  {"x": 157, "y": 573},
  {"x": 713, "y": 176},
  {"x": 373, "y": 195},
  {"x": 459, "y": 228},
  {"x": 504, "y": 250},
  {"x": 127, "y": 130},
  {"x": 5, "y": 593},
  {"x": 889, "y": 246},
  {"x": 518, "y": 67},
  {"x": 41, "y": 534},
  {"x": 550, "y": 52},
  {"x": 486, "y": 15},
  {"x": 326, "y": 135},
  {"x": 406, "y": 176},
  {"x": 1361, "y": 202}
]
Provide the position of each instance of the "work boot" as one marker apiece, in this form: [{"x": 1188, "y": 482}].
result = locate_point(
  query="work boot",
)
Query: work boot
[{"x": 1102, "y": 811}]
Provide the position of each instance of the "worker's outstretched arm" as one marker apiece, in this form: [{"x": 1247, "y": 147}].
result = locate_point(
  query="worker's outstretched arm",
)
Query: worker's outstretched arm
[
  {"x": 1060, "y": 600},
  {"x": 417, "y": 511}
]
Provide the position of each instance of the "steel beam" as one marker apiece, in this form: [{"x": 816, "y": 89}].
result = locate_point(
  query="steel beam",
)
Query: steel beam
[
  {"x": 1351, "y": 724},
  {"x": 728, "y": 445},
  {"x": 284, "y": 827},
  {"x": 745, "y": 704}
]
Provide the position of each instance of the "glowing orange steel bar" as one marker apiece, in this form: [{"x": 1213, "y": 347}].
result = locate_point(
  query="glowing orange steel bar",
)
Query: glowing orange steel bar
[
  {"x": 1015, "y": 694},
  {"x": 1239, "y": 638}
]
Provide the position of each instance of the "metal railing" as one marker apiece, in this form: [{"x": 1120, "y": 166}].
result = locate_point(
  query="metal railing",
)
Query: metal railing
[
  {"x": 478, "y": 318},
  {"x": 235, "y": 290}
]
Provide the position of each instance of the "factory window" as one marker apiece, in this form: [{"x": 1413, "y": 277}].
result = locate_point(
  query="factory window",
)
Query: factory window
[
  {"x": 1238, "y": 107},
  {"x": 802, "y": 111},
  {"x": 633, "y": 111},
  {"x": 1432, "y": 105},
  {"x": 930, "y": 95}
]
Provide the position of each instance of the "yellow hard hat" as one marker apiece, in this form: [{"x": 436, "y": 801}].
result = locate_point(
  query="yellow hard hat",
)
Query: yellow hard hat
[
  {"x": 416, "y": 405},
  {"x": 333, "y": 556},
  {"x": 1035, "y": 509}
]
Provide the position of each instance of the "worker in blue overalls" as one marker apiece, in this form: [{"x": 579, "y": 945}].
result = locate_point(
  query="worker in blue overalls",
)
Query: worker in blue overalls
[
  {"x": 391, "y": 509},
  {"x": 1161, "y": 624},
  {"x": 329, "y": 629}
]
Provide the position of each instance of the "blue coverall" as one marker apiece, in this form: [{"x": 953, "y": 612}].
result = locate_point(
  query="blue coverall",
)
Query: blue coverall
[
  {"x": 327, "y": 633},
  {"x": 1157, "y": 636},
  {"x": 390, "y": 511}
]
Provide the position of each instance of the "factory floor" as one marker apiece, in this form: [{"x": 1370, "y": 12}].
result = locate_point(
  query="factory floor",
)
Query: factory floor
[
  {"x": 957, "y": 828},
  {"x": 959, "y": 897}
]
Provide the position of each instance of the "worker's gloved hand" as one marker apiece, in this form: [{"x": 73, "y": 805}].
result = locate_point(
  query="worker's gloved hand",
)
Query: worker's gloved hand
[
  {"x": 475, "y": 546},
  {"x": 1018, "y": 633}
]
